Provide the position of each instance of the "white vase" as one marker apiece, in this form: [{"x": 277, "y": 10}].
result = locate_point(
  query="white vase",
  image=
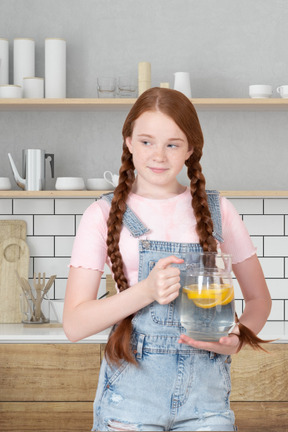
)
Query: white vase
[
  {"x": 182, "y": 83},
  {"x": 55, "y": 68},
  {"x": 4, "y": 61},
  {"x": 24, "y": 59}
]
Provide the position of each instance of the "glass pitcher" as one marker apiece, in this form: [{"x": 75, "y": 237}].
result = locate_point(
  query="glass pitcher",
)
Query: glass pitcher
[{"x": 207, "y": 307}]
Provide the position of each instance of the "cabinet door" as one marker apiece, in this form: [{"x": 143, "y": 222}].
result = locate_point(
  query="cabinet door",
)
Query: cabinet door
[{"x": 49, "y": 372}]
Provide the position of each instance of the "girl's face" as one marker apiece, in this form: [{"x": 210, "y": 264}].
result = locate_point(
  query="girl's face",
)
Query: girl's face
[{"x": 159, "y": 148}]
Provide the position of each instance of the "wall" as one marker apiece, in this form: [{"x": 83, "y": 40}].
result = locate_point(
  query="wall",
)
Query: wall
[
  {"x": 52, "y": 224},
  {"x": 225, "y": 45}
]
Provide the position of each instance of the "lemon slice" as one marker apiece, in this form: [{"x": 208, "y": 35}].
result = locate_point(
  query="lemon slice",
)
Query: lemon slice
[{"x": 208, "y": 298}]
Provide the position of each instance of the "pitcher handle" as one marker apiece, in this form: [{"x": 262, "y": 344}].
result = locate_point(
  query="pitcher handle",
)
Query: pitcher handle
[{"x": 51, "y": 162}]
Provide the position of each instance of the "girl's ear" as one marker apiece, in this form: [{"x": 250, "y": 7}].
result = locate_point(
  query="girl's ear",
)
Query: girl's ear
[
  {"x": 189, "y": 153},
  {"x": 128, "y": 142}
]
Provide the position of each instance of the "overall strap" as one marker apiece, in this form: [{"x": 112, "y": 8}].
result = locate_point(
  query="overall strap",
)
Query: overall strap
[
  {"x": 130, "y": 220},
  {"x": 213, "y": 199}
]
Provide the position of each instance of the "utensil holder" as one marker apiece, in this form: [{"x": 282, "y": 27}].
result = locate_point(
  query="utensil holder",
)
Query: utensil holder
[{"x": 32, "y": 313}]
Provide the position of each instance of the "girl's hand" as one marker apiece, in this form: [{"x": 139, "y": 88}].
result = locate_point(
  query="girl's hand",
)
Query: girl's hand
[
  {"x": 227, "y": 344},
  {"x": 163, "y": 282}
]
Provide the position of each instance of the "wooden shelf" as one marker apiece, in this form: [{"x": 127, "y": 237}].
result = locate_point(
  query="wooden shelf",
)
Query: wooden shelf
[
  {"x": 95, "y": 194},
  {"x": 96, "y": 104}
]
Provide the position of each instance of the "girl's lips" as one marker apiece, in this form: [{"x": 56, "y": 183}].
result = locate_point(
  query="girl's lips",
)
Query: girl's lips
[{"x": 158, "y": 170}]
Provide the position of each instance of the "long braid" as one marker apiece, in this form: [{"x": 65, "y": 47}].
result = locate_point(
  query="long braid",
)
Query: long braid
[
  {"x": 200, "y": 206},
  {"x": 118, "y": 345}
]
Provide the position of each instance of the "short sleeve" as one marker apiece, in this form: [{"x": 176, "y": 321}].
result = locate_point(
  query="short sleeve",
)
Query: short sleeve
[
  {"x": 237, "y": 240},
  {"x": 89, "y": 248}
]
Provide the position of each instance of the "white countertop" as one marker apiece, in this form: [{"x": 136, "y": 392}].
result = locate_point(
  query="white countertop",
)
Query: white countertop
[{"x": 19, "y": 333}]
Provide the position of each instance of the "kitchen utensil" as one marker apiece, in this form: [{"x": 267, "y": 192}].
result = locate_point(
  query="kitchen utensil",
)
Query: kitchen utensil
[
  {"x": 38, "y": 287},
  {"x": 12, "y": 228},
  {"x": 70, "y": 183},
  {"x": 113, "y": 179},
  {"x": 98, "y": 184},
  {"x": 260, "y": 91},
  {"x": 283, "y": 91},
  {"x": 14, "y": 255},
  {"x": 182, "y": 83},
  {"x": 207, "y": 309},
  {"x": 33, "y": 167},
  {"x": 5, "y": 183}
]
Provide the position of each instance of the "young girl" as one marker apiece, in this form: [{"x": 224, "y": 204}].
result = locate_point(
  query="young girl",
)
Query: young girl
[{"x": 154, "y": 377}]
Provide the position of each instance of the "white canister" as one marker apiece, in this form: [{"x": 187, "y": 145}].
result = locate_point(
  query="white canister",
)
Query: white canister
[
  {"x": 55, "y": 68},
  {"x": 33, "y": 87},
  {"x": 10, "y": 91},
  {"x": 182, "y": 83},
  {"x": 4, "y": 61},
  {"x": 24, "y": 59}
]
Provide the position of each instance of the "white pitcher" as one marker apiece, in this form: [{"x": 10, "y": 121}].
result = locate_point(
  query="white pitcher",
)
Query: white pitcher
[{"x": 182, "y": 83}]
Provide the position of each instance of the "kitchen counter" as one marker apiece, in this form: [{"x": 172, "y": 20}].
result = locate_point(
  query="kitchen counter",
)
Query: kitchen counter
[{"x": 19, "y": 333}]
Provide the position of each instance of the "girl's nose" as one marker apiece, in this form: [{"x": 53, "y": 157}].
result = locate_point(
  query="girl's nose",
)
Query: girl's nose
[{"x": 159, "y": 155}]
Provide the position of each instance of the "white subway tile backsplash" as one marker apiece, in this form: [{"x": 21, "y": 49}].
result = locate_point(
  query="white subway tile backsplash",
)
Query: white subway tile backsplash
[
  {"x": 51, "y": 266},
  {"x": 54, "y": 225},
  {"x": 5, "y": 206},
  {"x": 63, "y": 246},
  {"x": 33, "y": 206},
  {"x": 272, "y": 267},
  {"x": 40, "y": 246},
  {"x": 276, "y": 206},
  {"x": 239, "y": 307},
  {"x": 276, "y": 246},
  {"x": 264, "y": 225},
  {"x": 60, "y": 288},
  {"x": 248, "y": 205},
  {"x": 277, "y": 311},
  {"x": 278, "y": 288},
  {"x": 72, "y": 206}
]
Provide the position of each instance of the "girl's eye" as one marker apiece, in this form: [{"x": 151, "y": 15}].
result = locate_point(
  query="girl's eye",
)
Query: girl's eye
[
  {"x": 172, "y": 145},
  {"x": 146, "y": 143}
]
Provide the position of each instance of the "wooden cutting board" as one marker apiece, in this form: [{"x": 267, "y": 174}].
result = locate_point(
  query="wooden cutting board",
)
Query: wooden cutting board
[{"x": 14, "y": 255}]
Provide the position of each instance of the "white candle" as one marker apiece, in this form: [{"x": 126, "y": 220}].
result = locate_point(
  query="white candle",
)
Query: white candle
[
  {"x": 55, "y": 68},
  {"x": 144, "y": 77}
]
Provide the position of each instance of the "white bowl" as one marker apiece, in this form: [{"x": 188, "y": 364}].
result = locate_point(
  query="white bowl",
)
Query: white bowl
[
  {"x": 260, "y": 91},
  {"x": 98, "y": 184},
  {"x": 5, "y": 183},
  {"x": 57, "y": 308},
  {"x": 70, "y": 183}
]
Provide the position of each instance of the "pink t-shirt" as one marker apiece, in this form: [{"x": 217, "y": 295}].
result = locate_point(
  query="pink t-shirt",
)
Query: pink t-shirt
[{"x": 170, "y": 220}]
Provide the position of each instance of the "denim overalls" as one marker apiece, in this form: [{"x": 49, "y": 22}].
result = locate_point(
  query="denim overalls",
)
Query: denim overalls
[{"x": 175, "y": 386}]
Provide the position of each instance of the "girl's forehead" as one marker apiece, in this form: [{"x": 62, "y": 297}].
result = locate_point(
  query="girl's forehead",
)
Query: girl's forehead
[{"x": 157, "y": 122}]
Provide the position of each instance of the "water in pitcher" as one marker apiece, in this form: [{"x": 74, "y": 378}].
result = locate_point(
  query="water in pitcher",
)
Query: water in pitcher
[{"x": 207, "y": 308}]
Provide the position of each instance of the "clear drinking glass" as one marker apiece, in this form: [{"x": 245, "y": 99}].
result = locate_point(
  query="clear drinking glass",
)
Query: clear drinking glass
[
  {"x": 127, "y": 86},
  {"x": 207, "y": 307},
  {"x": 106, "y": 87}
]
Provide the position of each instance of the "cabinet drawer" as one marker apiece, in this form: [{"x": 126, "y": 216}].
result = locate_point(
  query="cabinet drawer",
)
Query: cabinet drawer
[{"x": 49, "y": 372}]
